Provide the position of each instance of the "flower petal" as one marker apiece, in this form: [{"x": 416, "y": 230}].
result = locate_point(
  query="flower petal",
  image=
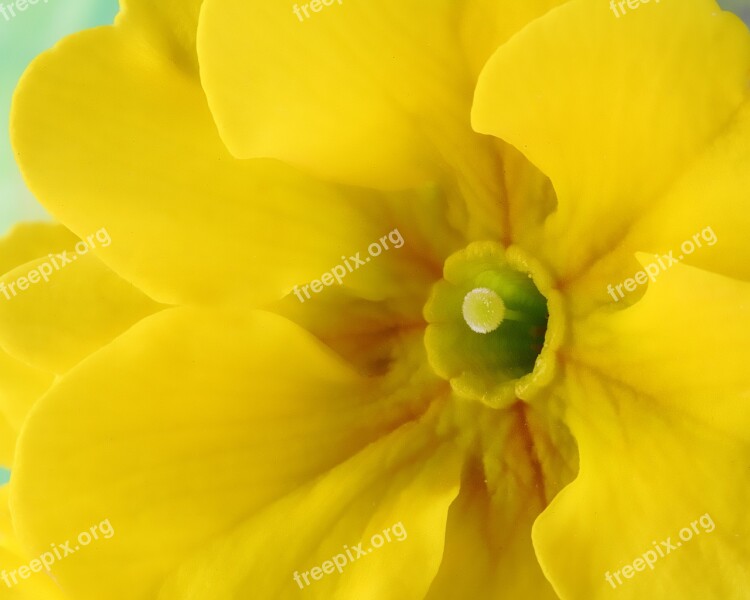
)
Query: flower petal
[
  {"x": 20, "y": 387},
  {"x": 664, "y": 345},
  {"x": 170, "y": 25},
  {"x": 386, "y": 104},
  {"x": 14, "y": 587},
  {"x": 611, "y": 134},
  {"x": 647, "y": 473},
  {"x": 37, "y": 587},
  {"x": 65, "y": 316},
  {"x": 209, "y": 217},
  {"x": 488, "y": 550},
  {"x": 487, "y": 24},
  {"x": 28, "y": 241},
  {"x": 712, "y": 194},
  {"x": 654, "y": 406},
  {"x": 488, "y": 553},
  {"x": 407, "y": 479},
  {"x": 181, "y": 428},
  {"x": 7, "y": 442},
  {"x": 701, "y": 221}
]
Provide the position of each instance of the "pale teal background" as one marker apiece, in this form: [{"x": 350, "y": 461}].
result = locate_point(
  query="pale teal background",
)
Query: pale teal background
[
  {"x": 23, "y": 37},
  {"x": 37, "y": 29}
]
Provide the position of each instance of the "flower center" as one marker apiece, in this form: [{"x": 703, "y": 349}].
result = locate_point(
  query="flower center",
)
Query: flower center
[{"x": 492, "y": 333}]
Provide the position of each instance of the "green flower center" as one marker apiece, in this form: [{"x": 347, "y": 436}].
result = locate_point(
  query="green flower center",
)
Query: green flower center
[{"x": 490, "y": 332}]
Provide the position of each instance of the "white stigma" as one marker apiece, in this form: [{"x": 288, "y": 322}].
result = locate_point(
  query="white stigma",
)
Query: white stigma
[{"x": 483, "y": 310}]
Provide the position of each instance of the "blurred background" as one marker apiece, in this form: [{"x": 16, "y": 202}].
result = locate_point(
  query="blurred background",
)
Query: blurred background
[{"x": 39, "y": 27}]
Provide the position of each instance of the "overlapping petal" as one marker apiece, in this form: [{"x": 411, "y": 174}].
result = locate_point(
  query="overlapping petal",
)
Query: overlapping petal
[
  {"x": 487, "y": 24},
  {"x": 408, "y": 479},
  {"x": 583, "y": 108},
  {"x": 527, "y": 457},
  {"x": 7, "y": 441},
  {"x": 666, "y": 345},
  {"x": 21, "y": 385},
  {"x": 28, "y": 241},
  {"x": 182, "y": 428},
  {"x": 646, "y": 474},
  {"x": 35, "y": 588},
  {"x": 169, "y": 25},
  {"x": 376, "y": 95},
  {"x": 662, "y": 423},
  {"x": 71, "y": 310},
  {"x": 702, "y": 220},
  {"x": 711, "y": 194},
  {"x": 211, "y": 219}
]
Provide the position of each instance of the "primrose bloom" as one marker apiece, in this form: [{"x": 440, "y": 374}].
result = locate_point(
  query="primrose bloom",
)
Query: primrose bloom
[{"x": 402, "y": 300}]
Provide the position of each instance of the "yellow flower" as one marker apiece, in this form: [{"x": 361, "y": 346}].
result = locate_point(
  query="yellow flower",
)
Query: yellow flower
[{"x": 243, "y": 424}]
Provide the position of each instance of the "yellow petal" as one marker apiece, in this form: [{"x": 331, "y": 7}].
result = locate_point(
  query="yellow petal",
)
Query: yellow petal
[
  {"x": 375, "y": 96},
  {"x": 393, "y": 498},
  {"x": 657, "y": 397},
  {"x": 20, "y": 387},
  {"x": 28, "y": 241},
  {"x": 700, "y": 221},
  {"x": 486, "y": 24},
  {"x": 611, "y": 134},
  {"x": 20, "y": 383},
  {"x": 7, "y": 539},
  {"x": 181, "y": 428},
  {"x": 75, "y": 306},
  {"x": 7, "y": 441},
  {"x": 365, "y": 331},
  {"x": 709, "y": 199},
  {"x": 530, "y": 199},
  {"x": 685, "y": 341},
  {"x": 169, "y": 25},
  {"x": 37, "y": 586},
  {"x": 209, "y": 217},
  {"x": 527, "y": 193},
  {"x": 372, "y": 336},
  {"x": 649, "y": 475},
  {"x": 488, "y": 550}
]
